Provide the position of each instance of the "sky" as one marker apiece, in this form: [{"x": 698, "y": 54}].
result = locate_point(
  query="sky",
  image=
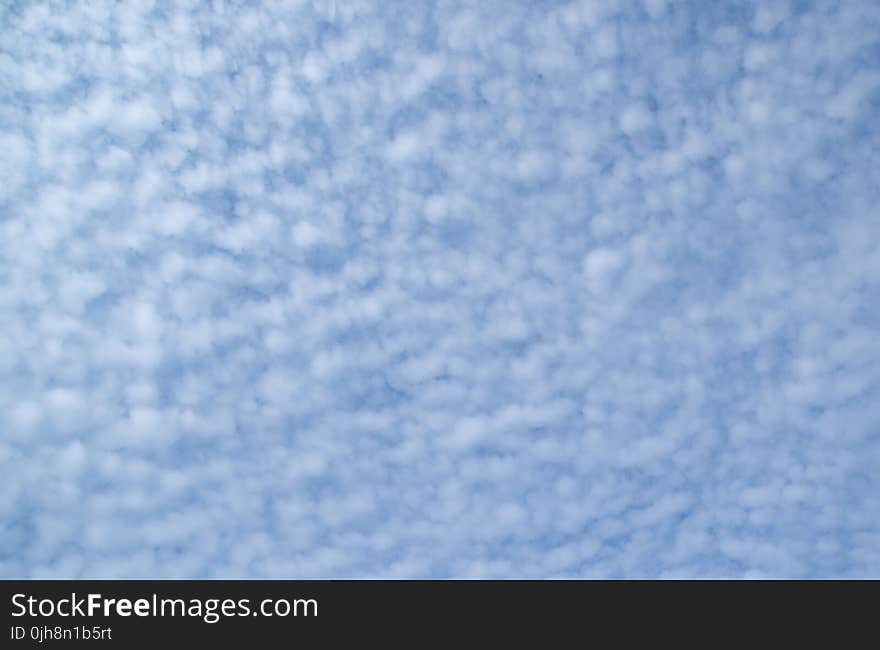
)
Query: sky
[{"x": 417, "y": 289}]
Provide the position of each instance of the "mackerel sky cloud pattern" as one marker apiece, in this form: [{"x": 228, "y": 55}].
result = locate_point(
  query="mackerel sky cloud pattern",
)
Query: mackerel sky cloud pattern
[{"x": 296, "y": 289}]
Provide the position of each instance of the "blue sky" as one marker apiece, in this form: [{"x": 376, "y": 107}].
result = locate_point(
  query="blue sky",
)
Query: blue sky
[{"x": 439, "y": 289}]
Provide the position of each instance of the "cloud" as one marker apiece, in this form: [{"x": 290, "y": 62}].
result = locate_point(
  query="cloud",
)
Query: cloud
[{"x": 319, "y": 289}]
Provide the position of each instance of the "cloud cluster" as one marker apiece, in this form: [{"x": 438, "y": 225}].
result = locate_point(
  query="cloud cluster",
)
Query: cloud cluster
[{"x": 439, "y": 289}]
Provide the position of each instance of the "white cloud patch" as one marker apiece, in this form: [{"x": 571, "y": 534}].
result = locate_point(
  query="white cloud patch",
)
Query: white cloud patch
[{"x": 314, "y": 289}]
